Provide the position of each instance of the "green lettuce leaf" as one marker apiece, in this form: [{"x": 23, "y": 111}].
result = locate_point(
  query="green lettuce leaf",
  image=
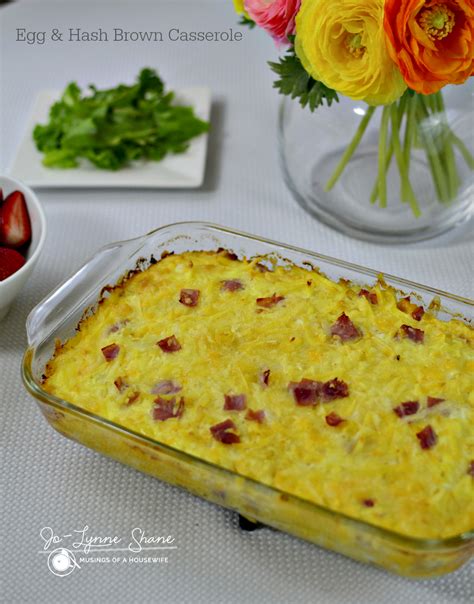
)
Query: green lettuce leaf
[{"x": 116, "y": 126}]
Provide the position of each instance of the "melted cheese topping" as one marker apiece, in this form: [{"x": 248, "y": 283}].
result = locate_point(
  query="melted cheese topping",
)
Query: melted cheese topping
[{"x": 227, "y": 341}]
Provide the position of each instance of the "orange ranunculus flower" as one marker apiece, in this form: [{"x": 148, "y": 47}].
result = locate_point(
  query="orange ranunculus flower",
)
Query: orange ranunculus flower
[{"x": 432, "y": 41}]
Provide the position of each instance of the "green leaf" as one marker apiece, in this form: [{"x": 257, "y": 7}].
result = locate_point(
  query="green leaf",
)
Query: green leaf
[
  {"x": 247, "y": 22},
  {"x": 81, "y": 133},
  {"x": 59, "y": 158},
  {"x": 296, "y": 82},
  {"x": 71, "y": 94}
]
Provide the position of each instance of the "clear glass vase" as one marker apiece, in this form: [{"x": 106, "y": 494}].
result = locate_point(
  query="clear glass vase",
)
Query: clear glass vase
[{"x": 438, "y": 172}]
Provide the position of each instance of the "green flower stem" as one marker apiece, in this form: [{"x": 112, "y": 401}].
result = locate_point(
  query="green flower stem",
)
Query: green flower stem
[
  {"x": 449, "y": 158},
  {"x": 350, "y": 149},
  {"x": 401, "y": 108},
  {"x": 438, "y": 102},
  {"x": 429, "y": 143},
  {"x": 410, "y": 131},
  {"x": 453, "y": 175},
  {"x": 455, "y": 140},
  {"x": 468, "y": 158},
  {"x": 388, "y": 160},
  {"x": 431, "y": 103},
  {"x": 382, "y": 181},
  {"x": 396, "y": 116},
  {"x": 402, "y": 111},
  {"x": 406, "y": 188}
]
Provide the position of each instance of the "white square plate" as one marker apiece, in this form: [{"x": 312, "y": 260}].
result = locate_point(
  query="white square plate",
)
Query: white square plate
[{"x": 184, "y": 170}]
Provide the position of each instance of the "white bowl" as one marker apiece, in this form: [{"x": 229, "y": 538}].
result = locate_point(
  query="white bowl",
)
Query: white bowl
[{"x": 11, "y": 287}]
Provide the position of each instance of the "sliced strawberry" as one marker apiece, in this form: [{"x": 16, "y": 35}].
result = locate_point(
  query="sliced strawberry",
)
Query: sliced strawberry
[
  {"x": 10, "y": 262},
  {"x": 15, "y": 226},
  {"x": 1, "y": 197}
]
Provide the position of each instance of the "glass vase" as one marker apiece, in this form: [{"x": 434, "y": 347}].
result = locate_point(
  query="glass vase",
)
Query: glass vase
[{"x": 394, "y": 175}]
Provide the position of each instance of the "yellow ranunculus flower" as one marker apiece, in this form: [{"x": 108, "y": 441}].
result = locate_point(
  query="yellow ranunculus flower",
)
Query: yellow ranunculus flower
[
  {"x": 239, "y": 7},
  {"x": 342, "y": 44}
]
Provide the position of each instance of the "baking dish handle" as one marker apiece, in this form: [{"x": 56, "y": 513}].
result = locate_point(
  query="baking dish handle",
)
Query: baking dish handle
[{"x": 73, "y": 293}]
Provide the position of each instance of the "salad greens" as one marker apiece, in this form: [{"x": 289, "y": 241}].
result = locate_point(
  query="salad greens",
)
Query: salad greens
[{"x": 114, "y": 127}]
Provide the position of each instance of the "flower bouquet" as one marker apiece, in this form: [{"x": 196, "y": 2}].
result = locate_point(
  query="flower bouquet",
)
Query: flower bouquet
[{"x": 394, "y": 55}]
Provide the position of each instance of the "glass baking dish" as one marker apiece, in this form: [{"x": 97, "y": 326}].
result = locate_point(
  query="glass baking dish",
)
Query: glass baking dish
[{"x": 57, "y": 316}]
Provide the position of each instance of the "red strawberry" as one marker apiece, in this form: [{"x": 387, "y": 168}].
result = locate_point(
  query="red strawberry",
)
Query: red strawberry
[
  {"x": 10, "y": 262},
  {"x": 15, "y": 226}
]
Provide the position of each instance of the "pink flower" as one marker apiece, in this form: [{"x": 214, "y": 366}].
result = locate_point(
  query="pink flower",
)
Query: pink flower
[{"x": 277, "y": 17}]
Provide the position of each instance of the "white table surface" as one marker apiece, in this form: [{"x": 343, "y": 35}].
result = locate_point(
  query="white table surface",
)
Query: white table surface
[{"x": 49, "y": 481}]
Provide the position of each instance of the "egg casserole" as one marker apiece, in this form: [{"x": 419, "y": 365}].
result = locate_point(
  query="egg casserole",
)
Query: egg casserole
[{"x": 355, "y": 399}]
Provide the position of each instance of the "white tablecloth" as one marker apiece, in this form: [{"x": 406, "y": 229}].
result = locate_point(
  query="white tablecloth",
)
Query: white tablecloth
[{"x": 49, "y": 481}]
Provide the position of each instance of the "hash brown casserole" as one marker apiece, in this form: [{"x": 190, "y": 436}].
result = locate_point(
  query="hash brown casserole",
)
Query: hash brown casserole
[{"x": 354, "y": 399}]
